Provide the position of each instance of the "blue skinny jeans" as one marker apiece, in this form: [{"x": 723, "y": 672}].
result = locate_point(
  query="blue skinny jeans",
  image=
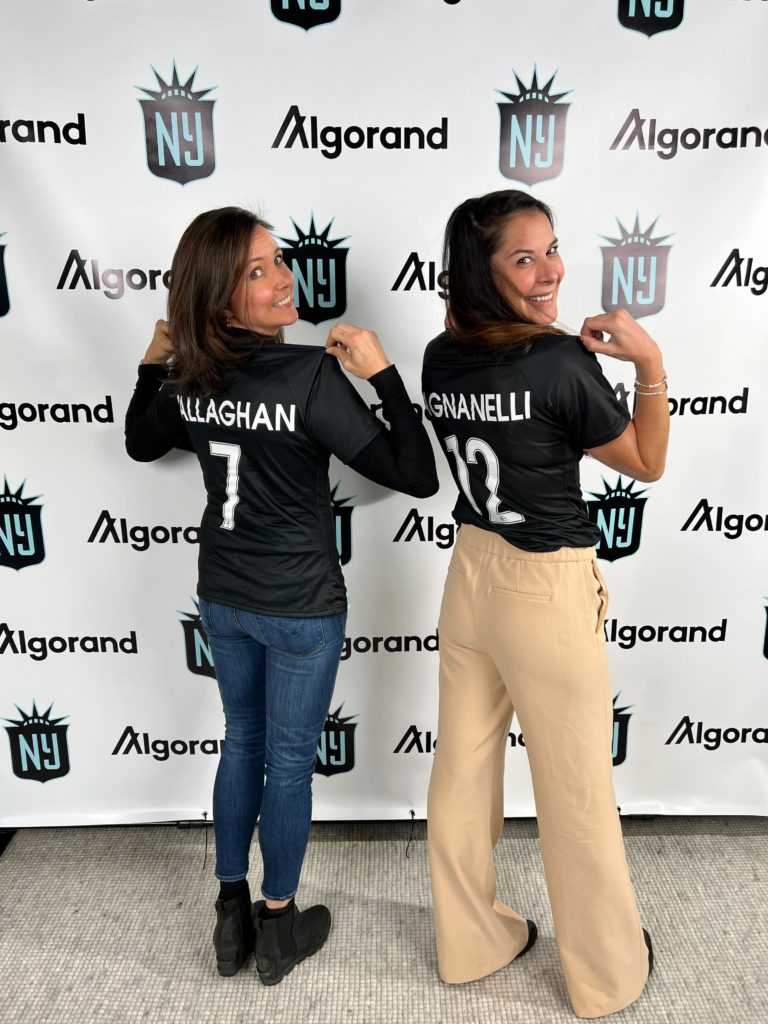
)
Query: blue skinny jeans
[{"x": 276, "y": 677}]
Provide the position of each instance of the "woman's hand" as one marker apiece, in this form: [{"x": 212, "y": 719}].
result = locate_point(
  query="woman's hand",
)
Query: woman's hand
[
  {"x": 626, "y": 341},
  {"x": 161, "y": 347},
  {"x": 359, "y": 351}
]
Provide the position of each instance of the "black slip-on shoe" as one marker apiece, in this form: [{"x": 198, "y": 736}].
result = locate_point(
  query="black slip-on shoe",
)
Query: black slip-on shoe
[
  {"x": 233, "y": 938},
  {"x": 284, "y": 941},
  {"x": 649, "y": 944},
  {"x": 533, "y": 933}
]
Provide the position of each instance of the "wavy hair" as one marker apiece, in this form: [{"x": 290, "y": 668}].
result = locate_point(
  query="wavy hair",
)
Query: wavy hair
[
  {"x": 477, "y": 313},
  {"x": 209, "y": 261}
]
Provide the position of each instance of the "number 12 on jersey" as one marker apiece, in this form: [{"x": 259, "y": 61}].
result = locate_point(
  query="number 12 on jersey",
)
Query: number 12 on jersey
[
  {"x": 476, "y": 446},
  {"x": 230, "y": 452}
]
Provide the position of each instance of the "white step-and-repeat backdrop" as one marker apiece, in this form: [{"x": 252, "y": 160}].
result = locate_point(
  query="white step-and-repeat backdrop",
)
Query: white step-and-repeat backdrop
[{"x": 355, "y": 127}]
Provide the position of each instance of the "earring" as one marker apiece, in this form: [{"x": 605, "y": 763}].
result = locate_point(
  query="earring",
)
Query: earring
[{"x": 228, "y": 320}]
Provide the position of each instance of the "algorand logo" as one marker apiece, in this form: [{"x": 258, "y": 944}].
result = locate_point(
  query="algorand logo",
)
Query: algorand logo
[
  {"x": 532, "y": 131},
  {"x": 666, "y": 141},
  {"x": 331, "y": 139},
  {"x": 45, "y": 131},
  {"x": 134, "y": 742},
  {"x": 38, "y": 648},
  {"x": 178, "y": 125},
  {"x": 196, "y": 644},
  {"x": 651, "y": 16},
  {"x": 39, "y": 750},
  {"x": 336, "y": 746},
  {"x": 424, "y": 741},
  {"x": 108, "y": 528},
  {"x": 21, "y": 530},
  {"x": 418, "y": 527},
  {"x": 110, "y": 282},
  {"x": 388, "y": 644},
  {"x": 319, "y": 269},
  {"x": 714, "y": 519},
  {"x": 628, "y": 636},
  {"x": 618, "y": 514},
  {"x": 421, "y": 274},
  {"x": 742, "y": 272},
  {"x": 5, "y": 299},
  {"x": 306, "y": 14},
  {"x": 712, "y": 737},
  {"x": 635, "y": 270},
  {"x": 13, "y": 413}
]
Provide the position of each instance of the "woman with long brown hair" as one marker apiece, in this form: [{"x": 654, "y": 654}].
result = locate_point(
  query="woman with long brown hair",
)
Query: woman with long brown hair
[
  {"x": 515, "y": 403},
  {"x": 263, "y": 418}
]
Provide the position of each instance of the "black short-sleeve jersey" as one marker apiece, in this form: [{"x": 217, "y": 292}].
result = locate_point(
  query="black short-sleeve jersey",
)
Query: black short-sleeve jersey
[
  {"x": 268, "y": 539},
  {"x": 514, "y": 426}
]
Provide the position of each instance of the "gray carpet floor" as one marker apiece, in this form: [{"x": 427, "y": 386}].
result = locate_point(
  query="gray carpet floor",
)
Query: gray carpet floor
[{"x": 114, "y": 924}]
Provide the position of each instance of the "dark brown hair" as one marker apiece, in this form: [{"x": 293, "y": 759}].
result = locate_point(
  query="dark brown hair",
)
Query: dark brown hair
[
  {"x": 209, "y": 260},
  {"x": 478, "y": 314}
]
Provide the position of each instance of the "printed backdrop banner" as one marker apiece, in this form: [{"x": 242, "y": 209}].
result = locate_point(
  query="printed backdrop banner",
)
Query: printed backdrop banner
[{"x": 355, "y": 128}]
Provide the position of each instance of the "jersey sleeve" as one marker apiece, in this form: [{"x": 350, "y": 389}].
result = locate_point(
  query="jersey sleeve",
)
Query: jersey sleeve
[
  {"x": 584, "y": 401},
  {"x": 153, "y": 423},
  {"x": 337, "y": 417}
]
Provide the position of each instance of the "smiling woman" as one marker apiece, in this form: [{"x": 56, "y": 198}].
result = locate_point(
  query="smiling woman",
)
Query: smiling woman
[
  {"x": 515, "y": 404},
  {"x": 263, "y": 418}
]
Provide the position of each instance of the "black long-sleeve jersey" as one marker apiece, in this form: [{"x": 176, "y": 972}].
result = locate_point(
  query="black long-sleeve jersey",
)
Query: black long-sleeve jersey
[
  {"x": 514, "y": 426},
  {"x": 267, "y": 541}
]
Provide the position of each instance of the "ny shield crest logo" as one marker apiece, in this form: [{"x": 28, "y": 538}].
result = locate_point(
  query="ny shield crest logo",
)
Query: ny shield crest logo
[
  {"x": 618, "y": 515},
  {"x": 651, "y": 16},
  {"x": 635, "y": 270},
  {"x": 5, "y": 300},
  {"x": 621, "y": 717},
  {"x": 306, "y": 14},
  {"x": 178, "y": 125},
  {"x": 319, "y": 269},
  {"x": 39, "y": 749},
  {"x": 21, "y": 530},
  {"x": 336, "y": 747},
  {"x": 532, "y": 132},
  {"x": 196, "y": 646},
  {"x": 342, "y": 515}
]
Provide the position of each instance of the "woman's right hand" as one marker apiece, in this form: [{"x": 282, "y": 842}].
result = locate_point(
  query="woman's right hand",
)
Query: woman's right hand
[
  {"x": 161, "y": 347},
  {"x": 359, "y": 351},
  {"x": 626, "y": 341}
]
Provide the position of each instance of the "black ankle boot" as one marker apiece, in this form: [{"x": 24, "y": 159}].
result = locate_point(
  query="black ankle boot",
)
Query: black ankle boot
[
  {"x": 233, "y": 936},
  {"x": 284, "y": 941}
]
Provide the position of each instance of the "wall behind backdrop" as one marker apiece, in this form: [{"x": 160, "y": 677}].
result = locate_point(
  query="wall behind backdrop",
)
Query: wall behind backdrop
[{"x": 355, "y": 127}]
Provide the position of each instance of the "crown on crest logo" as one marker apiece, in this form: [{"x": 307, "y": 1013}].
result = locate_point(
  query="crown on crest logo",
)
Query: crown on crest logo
[
  {"x": 335, "y": 716},
  {"x": 175, "y": 87},
  {"x": 338, "y": 502},
  {"x": 35, "y": 718},
  {"x": 15, "y": 497},
  {"x": 619, "y": 491},
  {"x": 621, "y": 711},
  {"x": 313, "y": 237},
  {"x": 636, "y": 236},
  {"x": 191, "y": 616},
  {"x": 534, "y": 91}
]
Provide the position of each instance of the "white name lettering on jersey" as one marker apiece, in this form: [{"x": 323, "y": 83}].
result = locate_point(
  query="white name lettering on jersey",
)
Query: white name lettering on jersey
[
  {"x": 242, "y": 415},
  {"x": 489, "y": 408}
]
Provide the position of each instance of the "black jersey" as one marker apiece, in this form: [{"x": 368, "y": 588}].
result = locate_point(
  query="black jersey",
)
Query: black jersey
[
  {"x": 514, "y": 426},
  {"x": 268, "y": 539}
]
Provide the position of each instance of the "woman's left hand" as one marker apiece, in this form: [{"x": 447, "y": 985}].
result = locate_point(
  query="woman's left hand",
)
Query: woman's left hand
[{"x": 359, "y": 351}]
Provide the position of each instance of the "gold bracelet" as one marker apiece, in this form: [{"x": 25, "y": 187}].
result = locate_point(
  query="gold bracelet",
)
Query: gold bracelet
[{"x": 656, "y": 385}]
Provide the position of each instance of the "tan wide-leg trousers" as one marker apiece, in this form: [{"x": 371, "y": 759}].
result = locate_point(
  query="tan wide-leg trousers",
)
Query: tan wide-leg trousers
[{"x": 522, "y": 631}]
